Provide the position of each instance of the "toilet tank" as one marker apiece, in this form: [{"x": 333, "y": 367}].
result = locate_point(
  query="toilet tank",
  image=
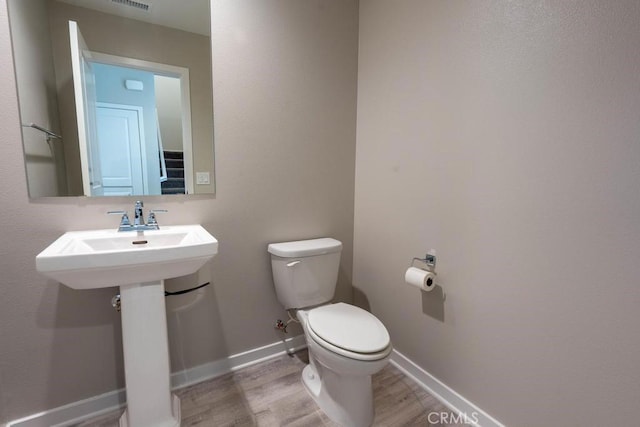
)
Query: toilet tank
[{"x": 305, "y": 272}]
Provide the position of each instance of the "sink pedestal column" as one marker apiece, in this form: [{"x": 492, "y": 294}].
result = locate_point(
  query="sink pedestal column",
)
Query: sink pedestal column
[{"x": 146, "y": 358}]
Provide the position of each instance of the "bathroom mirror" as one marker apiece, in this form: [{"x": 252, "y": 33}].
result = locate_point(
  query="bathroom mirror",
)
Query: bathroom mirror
[{"x": 115, "y": 96}]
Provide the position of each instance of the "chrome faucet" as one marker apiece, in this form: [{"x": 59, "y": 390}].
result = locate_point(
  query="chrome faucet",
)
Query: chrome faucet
[{"x": 138, "y": 219}]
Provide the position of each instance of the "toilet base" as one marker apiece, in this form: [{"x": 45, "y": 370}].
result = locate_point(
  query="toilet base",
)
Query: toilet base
[{"x": 347, "y": 401}]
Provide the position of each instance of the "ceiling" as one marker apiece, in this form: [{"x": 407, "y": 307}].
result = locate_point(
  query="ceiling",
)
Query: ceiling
[{"x": 189, "y": 15}]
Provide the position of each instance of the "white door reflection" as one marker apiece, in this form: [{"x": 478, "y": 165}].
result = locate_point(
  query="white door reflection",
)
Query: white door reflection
[
  {"x": 121, "y": 149},
  {"x": 133, "y": 122}
]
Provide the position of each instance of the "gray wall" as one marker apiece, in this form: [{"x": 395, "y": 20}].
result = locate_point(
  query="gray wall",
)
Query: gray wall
[
  {"x": 285, "y": 102},
  {"x": 505, "y": 135},
  {"x": 169, "y": 112},
  {"x": 502, "y": 134}
]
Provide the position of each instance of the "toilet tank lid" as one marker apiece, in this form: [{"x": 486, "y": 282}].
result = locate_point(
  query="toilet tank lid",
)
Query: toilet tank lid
[{"x": 303, "y": 248}]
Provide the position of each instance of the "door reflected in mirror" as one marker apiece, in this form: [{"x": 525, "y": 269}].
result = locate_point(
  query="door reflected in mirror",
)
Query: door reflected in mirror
[{"x": 129, "y": 91}]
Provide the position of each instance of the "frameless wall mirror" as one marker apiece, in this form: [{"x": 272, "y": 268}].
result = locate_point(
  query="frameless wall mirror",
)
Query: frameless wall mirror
[{"x": 115, "y": 96}]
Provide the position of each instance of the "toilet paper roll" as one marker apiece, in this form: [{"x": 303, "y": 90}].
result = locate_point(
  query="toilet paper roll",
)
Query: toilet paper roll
[{"x": 423, "y": 279}]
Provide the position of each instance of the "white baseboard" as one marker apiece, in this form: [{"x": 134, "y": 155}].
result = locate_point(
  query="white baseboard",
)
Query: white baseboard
[
  {"x": 95, "y": 406},
  {"x": 235, "y": 361},
  {"x": 98, "y": 405},
  {"x": 452, "y": 399}
]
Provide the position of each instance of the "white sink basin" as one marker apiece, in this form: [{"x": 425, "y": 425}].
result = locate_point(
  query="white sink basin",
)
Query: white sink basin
[
  {"x": 103, "y": 258},
  {"x": 138, "y": 262}
]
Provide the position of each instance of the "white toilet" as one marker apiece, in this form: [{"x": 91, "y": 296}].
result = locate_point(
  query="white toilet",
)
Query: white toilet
[{"x": 346, "y": 344}]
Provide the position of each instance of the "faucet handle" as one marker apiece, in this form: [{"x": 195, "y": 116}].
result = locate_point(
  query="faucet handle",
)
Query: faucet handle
[
  {"x": 151, "y": 220},
  {"x": 124, "y": 222}
]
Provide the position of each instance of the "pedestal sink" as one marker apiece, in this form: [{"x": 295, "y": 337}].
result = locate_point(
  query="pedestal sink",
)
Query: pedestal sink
[{"x": 138, "y": 262}]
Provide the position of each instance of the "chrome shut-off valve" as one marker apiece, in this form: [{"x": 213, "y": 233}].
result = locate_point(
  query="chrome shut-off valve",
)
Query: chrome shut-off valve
[{"x": 115, "y": 303}]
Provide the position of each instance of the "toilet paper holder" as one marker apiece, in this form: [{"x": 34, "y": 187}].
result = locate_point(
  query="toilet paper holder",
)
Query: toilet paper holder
[{"x": 429, "y": 260}]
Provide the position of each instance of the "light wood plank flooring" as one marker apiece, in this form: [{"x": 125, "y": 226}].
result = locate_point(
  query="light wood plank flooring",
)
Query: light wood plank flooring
[{"x": 271, "y": 394}]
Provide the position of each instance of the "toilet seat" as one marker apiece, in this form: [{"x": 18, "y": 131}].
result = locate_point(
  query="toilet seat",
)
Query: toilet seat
[{"x": 349, "y": 331}]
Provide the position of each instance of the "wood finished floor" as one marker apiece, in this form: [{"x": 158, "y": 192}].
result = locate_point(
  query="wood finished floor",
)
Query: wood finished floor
[{"x": 271, "y": 394}]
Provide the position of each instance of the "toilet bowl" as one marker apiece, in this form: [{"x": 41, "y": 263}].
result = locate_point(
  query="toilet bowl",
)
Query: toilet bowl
[
  {"x": 346, "y": 344},
  {"x": 338, "y": 378}
]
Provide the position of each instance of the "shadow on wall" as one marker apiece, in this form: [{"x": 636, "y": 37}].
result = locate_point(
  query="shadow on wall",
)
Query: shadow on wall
[
  {"x": 3, "y": 414},
  {"x": 86, "y": 336},
  {"x": 360, "y": 299},
  {"x": 344, "y": 292},
  {"x": 194, "y": 321},
  {"x": 84, "y": 327},
  {"x": 433, "y": 303}
]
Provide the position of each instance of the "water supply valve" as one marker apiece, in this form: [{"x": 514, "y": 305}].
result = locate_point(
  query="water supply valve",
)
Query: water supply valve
[
  {"x": 281, "y": 326},
  {"x": 115, "y": 303}
]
